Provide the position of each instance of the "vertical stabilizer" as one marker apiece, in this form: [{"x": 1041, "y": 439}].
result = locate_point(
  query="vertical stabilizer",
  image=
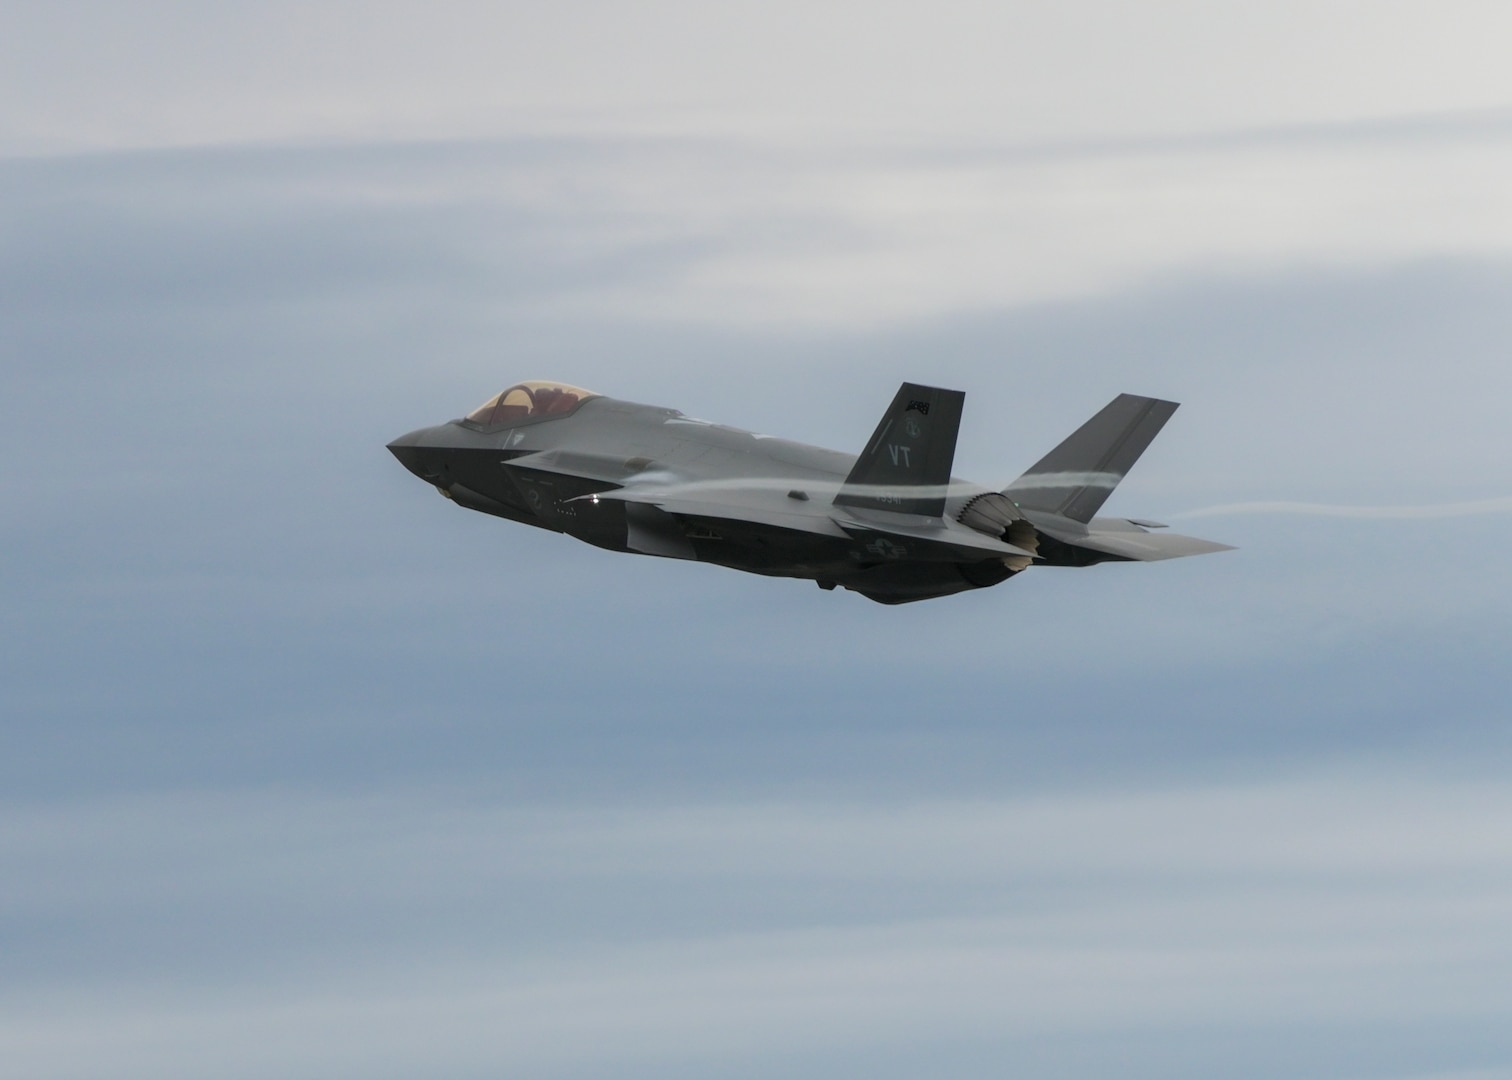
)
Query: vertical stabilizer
[
  {"x": 1076, "y": 478},
  {"x": 906, "y": 464}
]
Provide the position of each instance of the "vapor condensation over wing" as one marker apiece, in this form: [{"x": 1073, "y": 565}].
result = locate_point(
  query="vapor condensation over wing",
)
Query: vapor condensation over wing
[
  {"x": 666, "y": 483},
  {"x": 1049, "y": 480},
  {"x": 669, "y": 481},
  {"x": 1500, "y": 505}
]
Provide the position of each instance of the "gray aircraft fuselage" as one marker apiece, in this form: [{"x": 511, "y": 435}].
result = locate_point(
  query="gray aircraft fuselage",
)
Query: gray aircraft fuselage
[{"x": 891, "y": 523}]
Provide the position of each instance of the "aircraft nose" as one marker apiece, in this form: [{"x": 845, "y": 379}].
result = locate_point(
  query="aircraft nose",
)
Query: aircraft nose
[{"x": 410, "y": 450}]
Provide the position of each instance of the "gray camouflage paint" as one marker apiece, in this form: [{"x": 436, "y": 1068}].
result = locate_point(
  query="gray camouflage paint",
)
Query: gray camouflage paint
[{"x": 891, "y": 524}]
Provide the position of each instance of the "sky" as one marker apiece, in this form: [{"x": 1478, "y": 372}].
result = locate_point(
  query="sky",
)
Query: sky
[{"x": 305, "y": 771}]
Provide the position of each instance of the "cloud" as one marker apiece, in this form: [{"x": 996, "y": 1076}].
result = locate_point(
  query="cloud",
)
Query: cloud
[
  {"x": 256, "y": 324},
  {"x": 1429, "y": 511},
  {"x": 93, "y": 75},
  {"x": 311, "y": 772},
  {"x": 465, "y": 931},
  {"x": 752, "y": 235}
]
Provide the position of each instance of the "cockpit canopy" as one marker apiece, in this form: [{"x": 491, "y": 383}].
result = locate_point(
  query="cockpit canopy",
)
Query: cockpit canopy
[{"x": 529, "y": 401}]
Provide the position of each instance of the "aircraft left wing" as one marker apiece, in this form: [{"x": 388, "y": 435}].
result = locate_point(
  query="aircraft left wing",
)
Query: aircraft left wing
[
  {"x": 733, "y": 504},
  {"x": 945, "y": 539}
]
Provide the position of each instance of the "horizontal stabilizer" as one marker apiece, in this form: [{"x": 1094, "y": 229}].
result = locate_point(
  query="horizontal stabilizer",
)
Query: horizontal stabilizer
[
  {"x": 1151, "y": 547},
  {"x": 1121, "y": 538},
  {"x": 906, "y": 464},
  {"x": 1076, "y": 478}
]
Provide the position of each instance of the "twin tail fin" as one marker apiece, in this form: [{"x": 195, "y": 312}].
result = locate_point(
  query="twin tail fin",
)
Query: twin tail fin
[
  {"x": 906, "y": 464},
  {"x": 1076, "y": 478}
]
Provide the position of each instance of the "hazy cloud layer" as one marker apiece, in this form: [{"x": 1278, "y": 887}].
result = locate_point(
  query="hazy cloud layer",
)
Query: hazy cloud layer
[
  {"x": 98, "y": 74},
  {"x": 754, "y": 235},
  {"x": 259, "y": 931}
]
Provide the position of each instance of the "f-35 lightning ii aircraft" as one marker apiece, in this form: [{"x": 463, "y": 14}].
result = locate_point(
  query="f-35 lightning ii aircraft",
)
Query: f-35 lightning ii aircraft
[{"x": 891, "y": 524}]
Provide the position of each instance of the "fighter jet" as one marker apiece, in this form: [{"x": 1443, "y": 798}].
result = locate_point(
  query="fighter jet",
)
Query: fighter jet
[{"x": 891, "y": 524}]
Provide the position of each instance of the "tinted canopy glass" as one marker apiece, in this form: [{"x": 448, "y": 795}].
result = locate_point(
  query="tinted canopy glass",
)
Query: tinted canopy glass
[{"x": 527, "y": 401}]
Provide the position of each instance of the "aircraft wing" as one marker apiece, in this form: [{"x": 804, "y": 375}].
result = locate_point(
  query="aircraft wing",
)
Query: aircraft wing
[
  {"x": 768, "y": 507},
  {"x": 732, "y": 504},
  {"x": 859, "y": 522}
]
